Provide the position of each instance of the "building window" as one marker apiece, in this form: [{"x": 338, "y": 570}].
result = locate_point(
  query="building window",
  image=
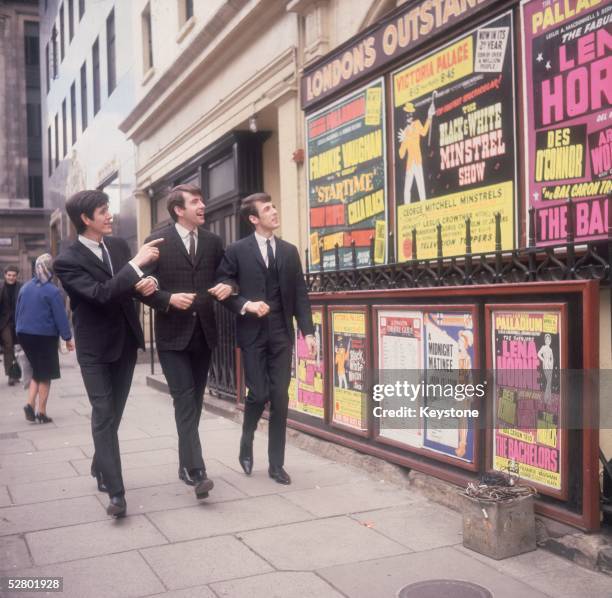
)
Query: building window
[
  {"x": 47, "y": 66},
  {"x": 73, "y": 125},
  {"x": 54, "y": 50},
  {"x": 110, "y": 52},
  {"x": 95, "y": 64},
  {"x": 64, "y": 130},
  {"x": 81, "y": 9},
  {"x": 35, "y": 190},
  {"x": 185, "y": 8},
  {"x": 147, "y": 39},
  {"x": 84, "y": 96},
  {"x": 49, "y": 151},
  {"x": 62, "y": 32},
  {"x": 56, "y": 141},
  {"x": 70, "y": 20}
]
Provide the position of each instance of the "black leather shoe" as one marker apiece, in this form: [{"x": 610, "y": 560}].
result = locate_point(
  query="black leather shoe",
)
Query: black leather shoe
[
  {"x": 117, "y": 506},
  {"x": 278, "y": 474},
  {"x": 29, "y": 413},
  {"x": 245, "y": 458},
  {"x": 184, "y": 476},
  {"x": 203, "y": 485}
]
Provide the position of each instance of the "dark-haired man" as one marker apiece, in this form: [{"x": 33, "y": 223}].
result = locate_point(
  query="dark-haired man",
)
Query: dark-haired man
[
  {"x": 101, "y": 280},
  {"x": 272, "y": 292},
  {"x": 185, "y": 330},
  {"x": 8, "y": 300}
]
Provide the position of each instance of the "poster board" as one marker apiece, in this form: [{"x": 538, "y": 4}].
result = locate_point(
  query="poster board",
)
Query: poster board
[
  {"x": 568, "y": 126},
  {"x": 349, "y": 357},
  {"x": 454, "y": 143},
  {"x": 527, "y": 349},
  {"x": 347, "y": 179}
]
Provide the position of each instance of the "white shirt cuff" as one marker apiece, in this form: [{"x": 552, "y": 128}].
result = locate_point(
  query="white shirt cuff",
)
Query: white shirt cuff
[
  {"x": 243, "y": 310},
  {"x": 136, "y": 268}
]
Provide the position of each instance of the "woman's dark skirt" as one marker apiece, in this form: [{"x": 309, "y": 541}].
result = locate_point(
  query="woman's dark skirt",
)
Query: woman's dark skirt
[{"x": 42, "y": 354}]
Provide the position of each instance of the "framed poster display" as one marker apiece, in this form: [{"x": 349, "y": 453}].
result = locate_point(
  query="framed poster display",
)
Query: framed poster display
[
  {"x": 439, "y": 346},
  {"x": 349, "y": 356},
  {"x": 568, "y": 124},
  {"x": 347, "y": 180},
  {"x": 527, "y": 350},
  {"x": 454, "y": 143},
  {"x": 309, "y": 381}
]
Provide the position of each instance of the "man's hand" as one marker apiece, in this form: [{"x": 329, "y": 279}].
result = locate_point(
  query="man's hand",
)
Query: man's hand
[
  {"x": 311, "y": 344},
  {"x": 145, "y": 287},
  {"x": 148, "y": 253},
  {"x": 182, "y": 300},
  {"x": 259, "y": 308},
  {"x": 70, "y": 345},
  {"x": 221, "y": 291}
]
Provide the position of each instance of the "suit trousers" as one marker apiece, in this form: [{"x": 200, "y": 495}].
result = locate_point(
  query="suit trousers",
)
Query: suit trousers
[
  {"x": 8, "y": 340},
  {"x": 108, "y": 386},
  {"x": 267, "y": 366},
  {"x": 186, "y": 372}
]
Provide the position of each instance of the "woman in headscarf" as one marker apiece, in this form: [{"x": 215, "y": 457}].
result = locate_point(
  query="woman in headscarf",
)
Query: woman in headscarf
[{"x": 40, "y": 320}]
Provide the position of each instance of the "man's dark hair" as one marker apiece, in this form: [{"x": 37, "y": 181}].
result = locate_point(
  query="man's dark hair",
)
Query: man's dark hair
[
  {"x": 248, "y": 206},
  {"x": 175, "y": 198},
  {"x": 84, "y": 202},
  {"x": 11, "y": 268}
]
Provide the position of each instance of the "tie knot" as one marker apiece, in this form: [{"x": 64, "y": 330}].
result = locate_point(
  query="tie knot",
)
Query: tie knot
[
  {"x": 101, "y": 246},
  {"x": 268, "y": 242}
]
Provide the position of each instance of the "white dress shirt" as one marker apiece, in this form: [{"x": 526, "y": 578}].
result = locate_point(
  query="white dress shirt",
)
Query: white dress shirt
[
  {"x": 184, "y": 235},
  {"x": 263, "y": 247},
  {"x": 95, "y": 248}
]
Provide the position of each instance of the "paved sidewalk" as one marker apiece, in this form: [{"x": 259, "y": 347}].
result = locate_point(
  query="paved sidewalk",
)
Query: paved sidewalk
[{"x": 334, "y": 532}]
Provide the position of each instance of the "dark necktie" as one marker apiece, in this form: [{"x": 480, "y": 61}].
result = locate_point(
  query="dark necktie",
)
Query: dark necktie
[
  {"x": 270, "y": 254},
  {"x": 106, "y": 258},
  {"x": 192, "y": 247}
]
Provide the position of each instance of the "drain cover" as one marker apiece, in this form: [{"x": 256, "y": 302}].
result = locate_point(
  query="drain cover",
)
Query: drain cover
[{"x": 444, "y": 588}]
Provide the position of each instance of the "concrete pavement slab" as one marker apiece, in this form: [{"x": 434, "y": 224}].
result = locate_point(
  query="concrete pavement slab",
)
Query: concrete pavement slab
[
  {"x": 571, "y": 582},
  {"x": 385, "y": 577},
  {"x": 292, "y": 584},
  {"x": 36, "y": 492},
  {"x": 55, "y": 513},
  {"x": 30, "y": 458},
  {"x": 210, "y": 519},
  {"x": 350, "y": 498},
  {"x": 13, "y": 554},
  {"x": 36, "y": 472},
  {"x": 419, "y": 526},
  {"x": 200, "y": 562},
  {"x": 197, "y": 592},
  {"x": 314, "y": 544},
  {"x": 140, "y": 444},
  {"x": 150, "y": 458},
  {"x": 93, "y": 539},
  {"x": 124, "y": 575},
  {"x": 174, "y": 496},
  {"x": 10, "y": 446},
  {"x": 5, "y": 499}
]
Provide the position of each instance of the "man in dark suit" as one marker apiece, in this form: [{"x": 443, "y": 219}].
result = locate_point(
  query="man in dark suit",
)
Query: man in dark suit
[
  {"x": 272, "y": 292},
  {"x": 185, "y": 330},
  {"x": 8, "y": 300},
  {"x": 101, "y": 280}
]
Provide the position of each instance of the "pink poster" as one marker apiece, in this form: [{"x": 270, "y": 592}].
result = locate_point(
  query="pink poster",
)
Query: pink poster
[{"x": 567, "y": 86}]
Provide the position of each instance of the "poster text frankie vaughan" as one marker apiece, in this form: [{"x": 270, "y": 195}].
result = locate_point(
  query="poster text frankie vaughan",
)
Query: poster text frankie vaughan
[{"x": 381, "y": 46}]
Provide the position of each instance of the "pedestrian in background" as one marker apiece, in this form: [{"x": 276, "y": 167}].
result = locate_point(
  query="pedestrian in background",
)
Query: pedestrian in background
[
  {"x": 40, "y": 321},
  {"x": 8, "y": 300}
]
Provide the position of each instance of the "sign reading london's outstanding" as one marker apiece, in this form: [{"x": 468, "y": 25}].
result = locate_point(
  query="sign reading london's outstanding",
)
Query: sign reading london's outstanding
[
  {"x": 568, "y": 100},
  {"x": 453, "y": 146},
  {"x": 347, "y": 180}
]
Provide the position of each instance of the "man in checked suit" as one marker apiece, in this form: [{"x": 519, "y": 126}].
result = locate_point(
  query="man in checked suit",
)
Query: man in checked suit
[
  {"x": 272, "y": 292},
  {"x": 101, "y": 280},
  {"x": 185, "y": 330}
]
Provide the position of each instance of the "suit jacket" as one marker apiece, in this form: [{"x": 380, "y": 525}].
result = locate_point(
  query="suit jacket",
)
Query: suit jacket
[
  {"x": 244, "y": 264},
  {"x": 103, "y": 310},
  {"x": 5, "y": 308},
  {"x": 176, "y": 274}
]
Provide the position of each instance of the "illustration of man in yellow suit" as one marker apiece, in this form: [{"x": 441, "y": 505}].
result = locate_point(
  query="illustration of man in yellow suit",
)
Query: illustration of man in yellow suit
[
  {"x": 410, "y": 148},
  {"x": 341, "y": 358}
]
